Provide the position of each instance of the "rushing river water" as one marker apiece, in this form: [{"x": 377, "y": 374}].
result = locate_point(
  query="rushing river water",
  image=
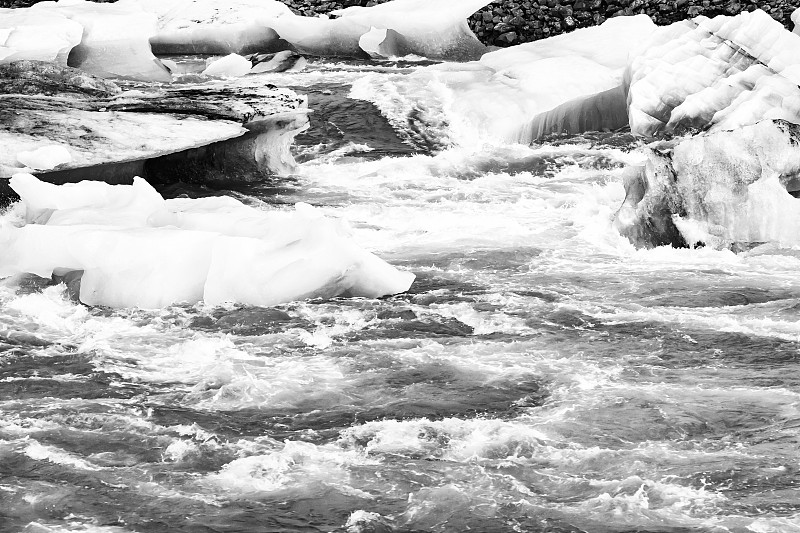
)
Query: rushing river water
[{"x": 542, "y": 374}]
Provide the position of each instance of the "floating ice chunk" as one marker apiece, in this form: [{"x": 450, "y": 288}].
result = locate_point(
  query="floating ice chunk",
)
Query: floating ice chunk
[
  {"x": 37, "y": 36},
  {"x": 436, "y": 29},
  {"x": 132, "y": 248},
  {"x": 796, "y": 20},
  {"x": 45, "y": 158},
  {"x": 521, "y": 93},
  {"x": 213, "y": 27},
  {"x": 430, "y": 28},
  {"x": 722, "y": 188},
  {"x": 319, "y": 36},
  {"x": 723, "y": 72},
  {"x": 115, "y": 38},
  {"x": 611, "y": 44},
  {"x": 380, "y": 43},
  {"x": 230, "y": 66},
  {"x": 90, "y": 202},
  {"x": 259, "y": 274}
]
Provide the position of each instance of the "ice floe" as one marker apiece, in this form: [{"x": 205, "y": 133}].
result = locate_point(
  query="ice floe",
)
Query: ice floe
[
  {"x": 25, "y": 34},
  {"x": 115, "y": 40},
  {"x": 730, "y": 188},
  {"x": 722, "y": 72},
  {"x": 132, "y": 248}
]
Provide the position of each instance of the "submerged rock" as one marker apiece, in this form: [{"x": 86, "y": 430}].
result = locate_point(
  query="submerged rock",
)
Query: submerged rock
[
  {"x": 114, "y": 135},
  {"x": 726, "y": 189}
]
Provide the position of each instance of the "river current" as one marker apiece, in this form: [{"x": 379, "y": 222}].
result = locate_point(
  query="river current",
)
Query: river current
[{"x": 541, "y": 375}]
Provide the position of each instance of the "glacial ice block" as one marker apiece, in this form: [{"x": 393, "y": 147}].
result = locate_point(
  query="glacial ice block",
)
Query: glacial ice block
[
  {"x": 37, "y": 36},
  {"x": 720, "y": 73},
  {"x": 721, "y": 188},
  {"x": 230, "y": 66},
  {"x": 115, "y": 41},
  {"x": 132, "y": 248},
  {"x": 435, "y": 29},
  {"x": 214, "y": 27},
  {"x": 523, "y": 92},
  {"x": 431, "y": 28},
  {"x": 45, "y": 157},
  {"x": 201, "y": 132}
]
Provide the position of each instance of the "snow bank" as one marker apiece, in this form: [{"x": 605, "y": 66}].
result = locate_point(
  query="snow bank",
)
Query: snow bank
[
  {"x": 136, "y": 249},
  {"x": 723, "y": 72}
]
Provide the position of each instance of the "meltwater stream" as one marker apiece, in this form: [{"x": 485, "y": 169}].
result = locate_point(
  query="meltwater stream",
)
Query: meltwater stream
[{"x": 541, "y": 374}]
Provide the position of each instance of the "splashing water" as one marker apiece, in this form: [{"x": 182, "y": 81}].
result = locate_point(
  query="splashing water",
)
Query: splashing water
[{"x": 541, "y": 374}]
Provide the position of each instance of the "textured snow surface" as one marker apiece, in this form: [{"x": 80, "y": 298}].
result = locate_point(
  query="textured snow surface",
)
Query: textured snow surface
[{"x": 136, "y": 249}]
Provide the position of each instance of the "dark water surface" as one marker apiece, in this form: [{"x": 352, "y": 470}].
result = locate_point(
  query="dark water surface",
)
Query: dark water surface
[{"x": 540, "y": 375}]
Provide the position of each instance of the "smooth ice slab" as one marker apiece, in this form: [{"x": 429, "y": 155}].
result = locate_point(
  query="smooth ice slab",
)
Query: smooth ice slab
[
  {"x": 115, "y": 136},
  {"x": 131, "y": 248},
  {"x": 116, "y": 132},
  {"x": 115, "y": 40},
  {"x": 436, "y": 29}
]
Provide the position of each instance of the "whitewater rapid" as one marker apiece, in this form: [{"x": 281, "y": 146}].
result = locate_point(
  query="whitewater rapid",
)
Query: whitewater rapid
[{"x": 541, "y": 374}]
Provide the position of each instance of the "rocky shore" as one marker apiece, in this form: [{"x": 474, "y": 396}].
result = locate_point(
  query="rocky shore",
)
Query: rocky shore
[{"x": 517, "y": 21}]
